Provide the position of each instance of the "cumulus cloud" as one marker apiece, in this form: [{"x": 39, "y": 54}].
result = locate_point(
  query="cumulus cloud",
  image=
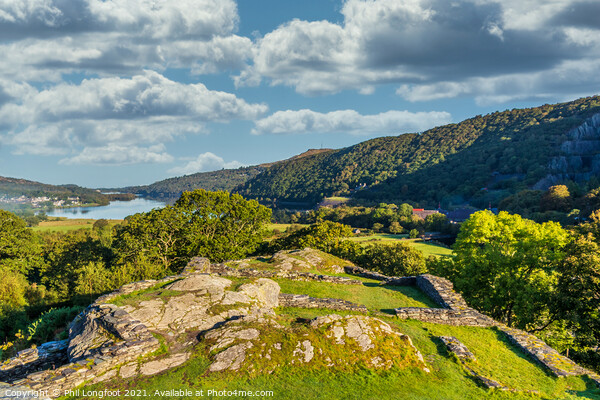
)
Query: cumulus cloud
[
  {"x": 420, "y": 43},
  {"x": 204, "y": 162},
  {"x": 109, "y": 114},
  {"x": 48, "y": 37},
  {"x": 119, "y": 155},
  {"x": 349, "y": 121}
]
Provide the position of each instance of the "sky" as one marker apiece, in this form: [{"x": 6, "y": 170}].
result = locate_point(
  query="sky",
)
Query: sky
[{"x": 111, "y": 93}]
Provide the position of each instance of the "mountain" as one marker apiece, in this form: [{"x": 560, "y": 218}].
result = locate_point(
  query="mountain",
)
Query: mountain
[
  {"x": 225, "y": 179},
  {"x": 14, "y": 188},
  {"x": 480, "y": 160}
]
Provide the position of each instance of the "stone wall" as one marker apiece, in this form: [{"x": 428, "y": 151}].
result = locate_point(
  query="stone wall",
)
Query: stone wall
[
  {"x": 446, "y": 316},
  {"x": 304, "y": 301},
  {"x": 365, "y": 273}
]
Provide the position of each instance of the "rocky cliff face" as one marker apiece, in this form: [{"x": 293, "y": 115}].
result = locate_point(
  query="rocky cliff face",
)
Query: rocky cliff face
[{"x": 579, "y": 157}]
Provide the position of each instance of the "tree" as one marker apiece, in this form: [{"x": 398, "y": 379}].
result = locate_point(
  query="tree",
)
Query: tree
[
  {"x": 12, "y": 291},
  {"x": 220, "y": 225},
  {"x": 557, "y": 198},
  {"x": 326, "y": 236},
  {"x": 396, "y": 260},
  {"x": 578, "y": 299},
  {"x": 216, "y": 225},
  {"x": 396, "y": 228},
  {"x": 19, "y": 249},
  {"x": 505, "y": 266}
]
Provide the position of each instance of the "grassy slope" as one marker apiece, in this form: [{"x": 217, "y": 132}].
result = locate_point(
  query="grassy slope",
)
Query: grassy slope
[{"x": 497, "y": 359}]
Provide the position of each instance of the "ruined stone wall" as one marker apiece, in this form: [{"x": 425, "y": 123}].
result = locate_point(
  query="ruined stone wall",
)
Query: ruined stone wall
[
  {"x": 456, "y": 312},
  {"x": 304, "y": 301},
  {"x": 446, "y": 316}
]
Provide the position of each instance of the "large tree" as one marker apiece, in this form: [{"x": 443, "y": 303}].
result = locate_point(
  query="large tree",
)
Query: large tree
[
  {"x": 216, "y": 225},
  {"x": 506, "y": 266}
]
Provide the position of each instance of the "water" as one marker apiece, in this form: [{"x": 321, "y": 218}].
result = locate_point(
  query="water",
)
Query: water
[{"x": 115, "y": 210}]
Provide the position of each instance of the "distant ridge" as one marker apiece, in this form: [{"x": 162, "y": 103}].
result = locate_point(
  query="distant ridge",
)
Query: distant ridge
[
  {"x": 480, "y": 160},
  {"x": 225, "y": 179}
]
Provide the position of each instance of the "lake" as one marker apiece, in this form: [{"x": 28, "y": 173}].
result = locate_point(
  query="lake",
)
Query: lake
[{"x": 115, "y": 210}]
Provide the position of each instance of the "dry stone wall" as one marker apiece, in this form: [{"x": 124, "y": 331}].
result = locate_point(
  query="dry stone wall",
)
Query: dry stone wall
[{"x": 304, "y": 301}]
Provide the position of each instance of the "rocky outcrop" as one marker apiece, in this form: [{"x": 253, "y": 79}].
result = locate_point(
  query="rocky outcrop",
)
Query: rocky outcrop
[
  {"x": 100, "y": 338},
  {"x": 246, "y": 272},
  {"x": 46, "y": 356},
  {"x": 456, "y": 347},
  {"x": 252, "y": 345},
  {"x": 203, "y": 302},
  {"x": 578, "y": 159}
]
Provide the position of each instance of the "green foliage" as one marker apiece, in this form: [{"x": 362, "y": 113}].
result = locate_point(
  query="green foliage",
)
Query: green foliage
[
  {"x": 413, "y": 234},
  {"x": 506, "y": 266},
  {"x": 210, "y": 224},
  {"x": 325, "y": 236},
  {"x": 394, "y": 260},
  {"x": 19, "y": 250},
  {"x": 578, "y": 289},
  {"x": 12, "y": 291},
  {"x": 557, "y": 198},
  {"x": 220, "y": 225},
  {"x": 67, "y": 257},
  {"x": 225, "y": 180}
]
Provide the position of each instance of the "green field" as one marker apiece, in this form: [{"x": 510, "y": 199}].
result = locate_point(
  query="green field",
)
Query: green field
[
  {"x": 65, "y": 225},
  {"x": 428, "y": 249}
]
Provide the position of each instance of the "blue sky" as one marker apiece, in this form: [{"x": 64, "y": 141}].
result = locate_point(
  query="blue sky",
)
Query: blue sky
[{"x": 109, "y": 93}]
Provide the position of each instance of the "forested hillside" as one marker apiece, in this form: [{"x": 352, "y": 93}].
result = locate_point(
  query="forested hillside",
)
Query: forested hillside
[
  {"x": 483, "y": 159},
  {"x": 225, "y": 179}
]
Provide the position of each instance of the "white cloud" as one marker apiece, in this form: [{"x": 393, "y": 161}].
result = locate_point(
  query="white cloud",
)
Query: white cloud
[
  {"x": 141, "y": 96},
  {"x": 204, "y": 162},
  {"x": 119, "y": 155},
  {"x": 426, "y": 43},
  {"x": 46, "y": 38},
  {"x": 108, "y": 114},
  {"x": 349, "y": 121},
  {"x": 569, "y": 80}
]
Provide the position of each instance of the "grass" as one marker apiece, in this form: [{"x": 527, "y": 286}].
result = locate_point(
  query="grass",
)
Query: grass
[
  {"x": 65, "y": 225},
  {"x": 369, "y": 294},
  {"x": 447, "y": 379},
  {"x": 497, "y": 359},
  {"x": 428, "y": 249}
]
